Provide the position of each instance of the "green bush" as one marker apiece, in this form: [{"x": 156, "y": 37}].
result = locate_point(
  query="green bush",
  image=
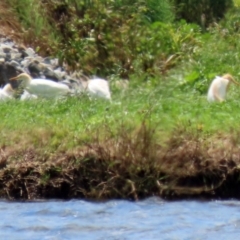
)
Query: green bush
[
  {"x": 120, "y": 37},
  {"x": 202, "y": 12}
]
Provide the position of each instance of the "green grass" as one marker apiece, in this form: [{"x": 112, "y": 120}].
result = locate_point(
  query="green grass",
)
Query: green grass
[
  {"x": 102, "y": 150},
  {"x": 65, "y": 124}
]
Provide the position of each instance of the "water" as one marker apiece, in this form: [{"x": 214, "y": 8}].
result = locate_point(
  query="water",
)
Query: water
[{"x": 149, "y": 219}]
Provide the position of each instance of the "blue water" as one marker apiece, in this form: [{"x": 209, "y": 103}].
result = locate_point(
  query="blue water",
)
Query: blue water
[{"x": 149, "y": 219}]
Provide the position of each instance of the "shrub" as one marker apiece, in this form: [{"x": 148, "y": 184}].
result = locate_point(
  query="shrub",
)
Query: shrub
[{"x": 201, "y": 11}]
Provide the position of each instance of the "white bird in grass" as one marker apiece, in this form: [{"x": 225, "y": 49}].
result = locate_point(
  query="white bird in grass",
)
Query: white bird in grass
[
  {"x": 219, "y": 87},
  {"x": 42, "y": 87},
  {"x": 27, "y": 96},
  {"x": 6, "y": 92},
  {"x": 98, "y": 87}
]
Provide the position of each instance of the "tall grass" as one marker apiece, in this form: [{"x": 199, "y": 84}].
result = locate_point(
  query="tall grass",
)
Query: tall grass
[{"x": 35, "y": 22}]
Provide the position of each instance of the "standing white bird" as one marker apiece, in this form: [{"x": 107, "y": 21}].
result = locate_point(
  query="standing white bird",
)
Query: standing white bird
[
  {"x": 98, "y": 87},
  {"x": 219, "y": 87},
  {"x": 42, "y": 87},
  {"x": 6, "y": 92}
]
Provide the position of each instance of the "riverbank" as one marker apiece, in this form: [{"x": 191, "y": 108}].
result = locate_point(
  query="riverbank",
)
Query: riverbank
[
  {"x": 123, "y": 169},
  {"x": 137, "y": 146}
]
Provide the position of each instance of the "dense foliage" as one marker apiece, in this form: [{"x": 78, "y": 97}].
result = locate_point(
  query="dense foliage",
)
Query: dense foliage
[
  {"x": 203, "y": 12},
  {"x": 115, "y": 37},
  {"x": 125, "y": 38}
]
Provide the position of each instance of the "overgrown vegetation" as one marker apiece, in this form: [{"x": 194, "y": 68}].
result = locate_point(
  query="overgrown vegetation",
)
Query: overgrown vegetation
[
  {"x": 158, "y": 137},
  {"x": 148, "y": 141},
  {"x": 121, "y": 37}
]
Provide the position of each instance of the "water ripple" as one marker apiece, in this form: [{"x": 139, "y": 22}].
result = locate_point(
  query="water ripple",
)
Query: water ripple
[{"x": 152, "y": 218}]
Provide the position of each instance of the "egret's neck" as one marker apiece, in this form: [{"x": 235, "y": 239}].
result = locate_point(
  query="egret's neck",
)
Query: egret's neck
[
  {"x": 26, "y": 81},
  {"x": 227, "y": 83}
]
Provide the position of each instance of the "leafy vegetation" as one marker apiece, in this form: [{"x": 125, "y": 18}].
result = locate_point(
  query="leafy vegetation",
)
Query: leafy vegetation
[
  {"x": 121, "y": 37},
  {"x": 201, "y": 11}
]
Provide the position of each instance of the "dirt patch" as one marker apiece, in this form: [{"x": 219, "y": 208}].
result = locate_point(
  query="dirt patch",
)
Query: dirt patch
[{"x": 9, "y": 23}]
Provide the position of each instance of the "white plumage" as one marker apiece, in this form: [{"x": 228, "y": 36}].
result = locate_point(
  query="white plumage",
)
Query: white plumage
[
  {"x": 6, "y": 92},
  {"x": 218, "y": 88},
  {"x": 98, "y": 87},
  {"x": 42, "y": 87},
  {"x": 27, "y": 96}
]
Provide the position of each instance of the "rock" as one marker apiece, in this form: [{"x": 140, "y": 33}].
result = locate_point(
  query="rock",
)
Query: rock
[
  {"x": 15, "y": 56},
  {"x": 60, "y": 73},
  {"x": 6, "y": 48},
  {"x": 11, "y": 71},
  {"x": 77, "y": 84},
  {"x": 3, "y": 76},
  {"x": 47, "y": 60},
  {"x": 2, "y": 54},
  {"x": 22, "y": 49},
  {"x": 15, "y": 63},
  {"x": 8, "y": 57},
  {"x": 15, "y": 59},
  {"x": 30, "y": 52},
  {"x": 26, "y": 62},
  {"x": 35, "y": 69},
  {"x": 55, "y": 63},
  {"x": 7, "y": 71},
  {"x": 50, "y": 74}
]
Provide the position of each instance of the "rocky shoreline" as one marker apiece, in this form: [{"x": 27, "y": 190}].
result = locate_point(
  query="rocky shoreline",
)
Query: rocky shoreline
[{"x": 16, "y": 59}]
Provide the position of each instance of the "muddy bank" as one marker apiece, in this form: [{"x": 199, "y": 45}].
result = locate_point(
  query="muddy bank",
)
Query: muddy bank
[{"x": 125, "y": 168}]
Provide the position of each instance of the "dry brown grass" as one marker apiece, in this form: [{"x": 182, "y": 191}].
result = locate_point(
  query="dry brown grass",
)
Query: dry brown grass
[
  {"x": 9, "y": 23},
  {"x": 12, "y": 28},
  {"x": 129, "y": 166}
]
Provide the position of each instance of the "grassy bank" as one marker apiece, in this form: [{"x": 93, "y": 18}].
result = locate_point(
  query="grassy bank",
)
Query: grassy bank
[{"x": 147, "y": 141}]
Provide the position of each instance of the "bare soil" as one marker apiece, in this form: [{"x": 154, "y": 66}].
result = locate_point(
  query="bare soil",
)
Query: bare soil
[{"x": 9, "y": 24}]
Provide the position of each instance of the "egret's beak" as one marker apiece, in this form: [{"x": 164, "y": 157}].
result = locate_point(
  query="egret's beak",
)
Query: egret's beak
[
  {"x": 14, "y": 78},
  {"x": 234, "y": 81}
]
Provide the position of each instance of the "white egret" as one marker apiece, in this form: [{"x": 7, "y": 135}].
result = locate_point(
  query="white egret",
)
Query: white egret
[
  {"x": 6, "y": 92},
  {"x": 42, "y": 87},
  {"x": 27, "y": 96},
  {"x": 219, "y": 87},
  {"x": 98, "y": 87}
]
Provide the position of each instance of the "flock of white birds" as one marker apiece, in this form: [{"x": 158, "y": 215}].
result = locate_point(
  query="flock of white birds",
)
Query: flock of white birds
[
  {"x": 44, "y": 88},
  {"x": 96, "y": 87}
]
